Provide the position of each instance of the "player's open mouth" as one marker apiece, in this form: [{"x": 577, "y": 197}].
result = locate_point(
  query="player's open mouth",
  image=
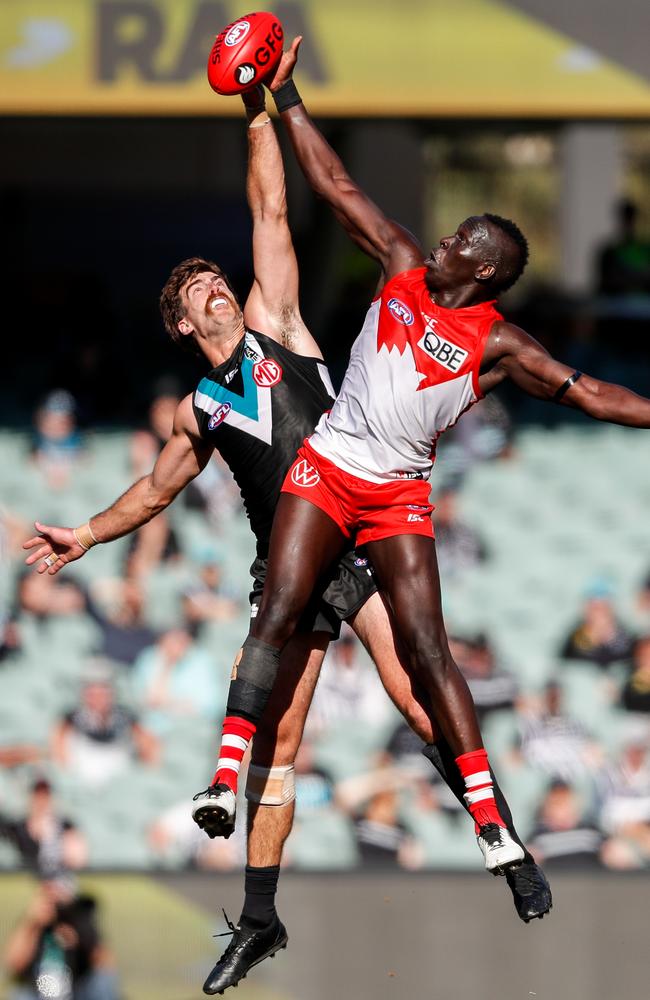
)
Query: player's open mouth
[{"x": 217, "y": 301}]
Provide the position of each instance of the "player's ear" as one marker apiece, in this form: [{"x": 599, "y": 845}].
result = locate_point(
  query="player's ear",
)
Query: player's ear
[
  {"x": 185, "y": 327},
  {"x": 485, "y": 272}
]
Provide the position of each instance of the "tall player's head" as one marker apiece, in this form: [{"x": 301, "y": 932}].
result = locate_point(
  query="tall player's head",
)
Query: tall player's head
[
  {"x": 199, "y": 304},
  {"x": 486, "y": 253}
]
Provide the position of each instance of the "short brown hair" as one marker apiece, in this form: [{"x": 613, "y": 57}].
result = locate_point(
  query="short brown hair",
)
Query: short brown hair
[{"x": 171, "y": 303}]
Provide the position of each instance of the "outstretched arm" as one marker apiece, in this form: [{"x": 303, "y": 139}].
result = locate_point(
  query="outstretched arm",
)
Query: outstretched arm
[
  {"x": 386, "y": 241},
  {"x": 180, "y": 461},
  {"x": 516, "y": 355},
  {"x": 272, "y": 306}
]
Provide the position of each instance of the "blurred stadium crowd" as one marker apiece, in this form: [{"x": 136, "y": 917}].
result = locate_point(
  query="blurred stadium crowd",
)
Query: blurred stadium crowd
[{"x": 113, "y": 675}]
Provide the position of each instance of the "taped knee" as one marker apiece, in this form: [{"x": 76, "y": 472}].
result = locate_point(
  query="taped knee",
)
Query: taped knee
[
  {"x": 253, "y": 676},
  {"x": 271, "y": 786}
]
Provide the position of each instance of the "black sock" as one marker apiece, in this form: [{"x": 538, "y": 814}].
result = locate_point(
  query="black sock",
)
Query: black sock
[
  {"x": 442, "y": 758},
  {"x": 261, "y": 885}
]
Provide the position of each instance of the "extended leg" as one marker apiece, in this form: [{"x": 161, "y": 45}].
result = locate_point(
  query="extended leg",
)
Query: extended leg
[
  {"x": 407, "y": 570},
  {"x": 374, "y": 625},
  {"x": 259, "y": 933},
  {"x": 304, "y": 542}
]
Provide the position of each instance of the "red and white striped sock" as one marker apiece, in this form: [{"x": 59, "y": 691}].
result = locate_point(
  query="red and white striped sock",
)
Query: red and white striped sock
[
  {"x": 236, "y": 734},
  {"x": 475, "y": 769}
]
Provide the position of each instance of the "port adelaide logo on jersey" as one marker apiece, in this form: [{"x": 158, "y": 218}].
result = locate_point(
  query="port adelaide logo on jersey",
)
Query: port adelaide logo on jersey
[
  {"x": 449, "y": 355},
  {"x": 401, "y": 312},
  {"x": 219, "y": 416}
]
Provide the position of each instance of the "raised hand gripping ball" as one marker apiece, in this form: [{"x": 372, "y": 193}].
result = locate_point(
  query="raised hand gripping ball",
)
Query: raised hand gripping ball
[{"x": 245, "y": 52}]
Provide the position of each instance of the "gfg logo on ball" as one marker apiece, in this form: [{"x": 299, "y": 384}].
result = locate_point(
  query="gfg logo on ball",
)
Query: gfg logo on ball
[
  {"x": 237, "y": 32},
  {"x": 401, "y": 312},
  {"x": 245, "y": 73}
]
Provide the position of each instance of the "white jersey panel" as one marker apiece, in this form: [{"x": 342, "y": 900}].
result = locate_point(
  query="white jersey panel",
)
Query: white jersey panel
[{"x": 383, "y": 427}]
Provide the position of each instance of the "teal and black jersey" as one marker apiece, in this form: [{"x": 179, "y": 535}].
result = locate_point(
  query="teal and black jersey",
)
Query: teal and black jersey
[{"x": 256, "y": 409}]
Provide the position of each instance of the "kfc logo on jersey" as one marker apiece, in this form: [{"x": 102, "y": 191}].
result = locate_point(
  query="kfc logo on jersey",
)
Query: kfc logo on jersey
[
  {"x": 219, "y": 416},
  {"x": 304, "y": 474},
  {"x": 267, "y": 373},
  {"x": 237, "y": 32},
  {"x": 401, "y": 312},
  {"x": 442, "y": 351}
]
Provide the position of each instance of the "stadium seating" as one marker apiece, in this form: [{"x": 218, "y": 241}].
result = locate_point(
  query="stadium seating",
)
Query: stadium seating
[{"x": 569, "y": 505}]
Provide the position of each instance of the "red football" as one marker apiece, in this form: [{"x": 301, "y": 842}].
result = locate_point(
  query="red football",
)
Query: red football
[{"x": 245, "y": 52}]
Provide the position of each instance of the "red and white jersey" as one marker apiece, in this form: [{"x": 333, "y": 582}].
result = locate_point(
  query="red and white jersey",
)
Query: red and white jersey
[{"x": 413, "y": 370}]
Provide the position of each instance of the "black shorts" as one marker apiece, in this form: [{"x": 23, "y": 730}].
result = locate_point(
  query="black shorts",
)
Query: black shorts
[{"x": 340, "y": 593}]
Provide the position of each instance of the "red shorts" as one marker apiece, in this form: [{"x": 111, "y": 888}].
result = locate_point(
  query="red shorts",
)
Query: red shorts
[{"x": 370, "y": 510}]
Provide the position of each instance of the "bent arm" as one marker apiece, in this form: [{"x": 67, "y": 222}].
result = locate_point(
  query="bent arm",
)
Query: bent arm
[
  {"x": 180, "y": 461},
  {"x": 272, "y": 306},
  {"x": 529, "y": 365},
  {"x": 182, "y": 458},
  {"x": 381, "y": 238}
]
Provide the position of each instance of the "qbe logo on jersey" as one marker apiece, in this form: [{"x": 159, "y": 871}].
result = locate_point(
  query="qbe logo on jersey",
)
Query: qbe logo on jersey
[
  {"x": 304, "y": 474},
  {"x": 449, "y": 355},
  {"x": 267, "y": 373}
]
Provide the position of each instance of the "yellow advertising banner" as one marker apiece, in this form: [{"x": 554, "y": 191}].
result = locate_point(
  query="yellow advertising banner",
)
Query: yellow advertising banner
[{"x": 460, "y": 58}]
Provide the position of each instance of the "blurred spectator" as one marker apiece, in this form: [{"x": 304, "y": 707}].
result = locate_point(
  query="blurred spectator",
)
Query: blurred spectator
[
  {"x": 124, "y": 631},
  {"x": 635, "y": 695},
  {"x": 176, "y": 840},
  {"x": 57, "y": 444},
  {"x": 57, "y": 951},
  {"x": 624, "y": 263},
  {"x": 205, "y": 599},
  {"x": 348, "y": 689},
  {"x": 41, "y": 597},
  {"x": 97, "y": 740},
  {"x": 15, "y": 754},
  {"x": 643, "y": 600},
  {"x": 322, "y": 835},
  {"x": 458, "y": 546},
  {"x": 625, "y": 798},
  {"x": 404, "y": 750},
  {"x": 147, "y": 443},
  {"x": 492, "y": 687},
  {"x": 373, "y": 801},
  {"x": 47, "y": 843},
  {"x": 151, "y": 546},
  {"x": 599, "y": 636},
  {"x": 176, "y": 679},
  {"x": 484, "y": 433},
  {"x": 563, "y": 835},
  {"x": 9, "y": 639},
  {"x": 553, "y": 742}
]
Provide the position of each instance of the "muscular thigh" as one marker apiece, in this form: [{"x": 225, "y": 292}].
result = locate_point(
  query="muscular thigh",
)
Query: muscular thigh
[
  {"x": 407, "y": 571},
  {"x": 279, "y": 734}
]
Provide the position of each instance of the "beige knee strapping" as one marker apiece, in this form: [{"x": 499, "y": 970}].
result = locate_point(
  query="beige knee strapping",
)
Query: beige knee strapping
[{"x": 271, "y": 786}]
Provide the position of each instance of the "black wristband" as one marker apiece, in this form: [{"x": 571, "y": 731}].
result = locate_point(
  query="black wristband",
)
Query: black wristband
[
  {"x": 286, "y": 96},
  {"x": 572, "y": 379}
]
